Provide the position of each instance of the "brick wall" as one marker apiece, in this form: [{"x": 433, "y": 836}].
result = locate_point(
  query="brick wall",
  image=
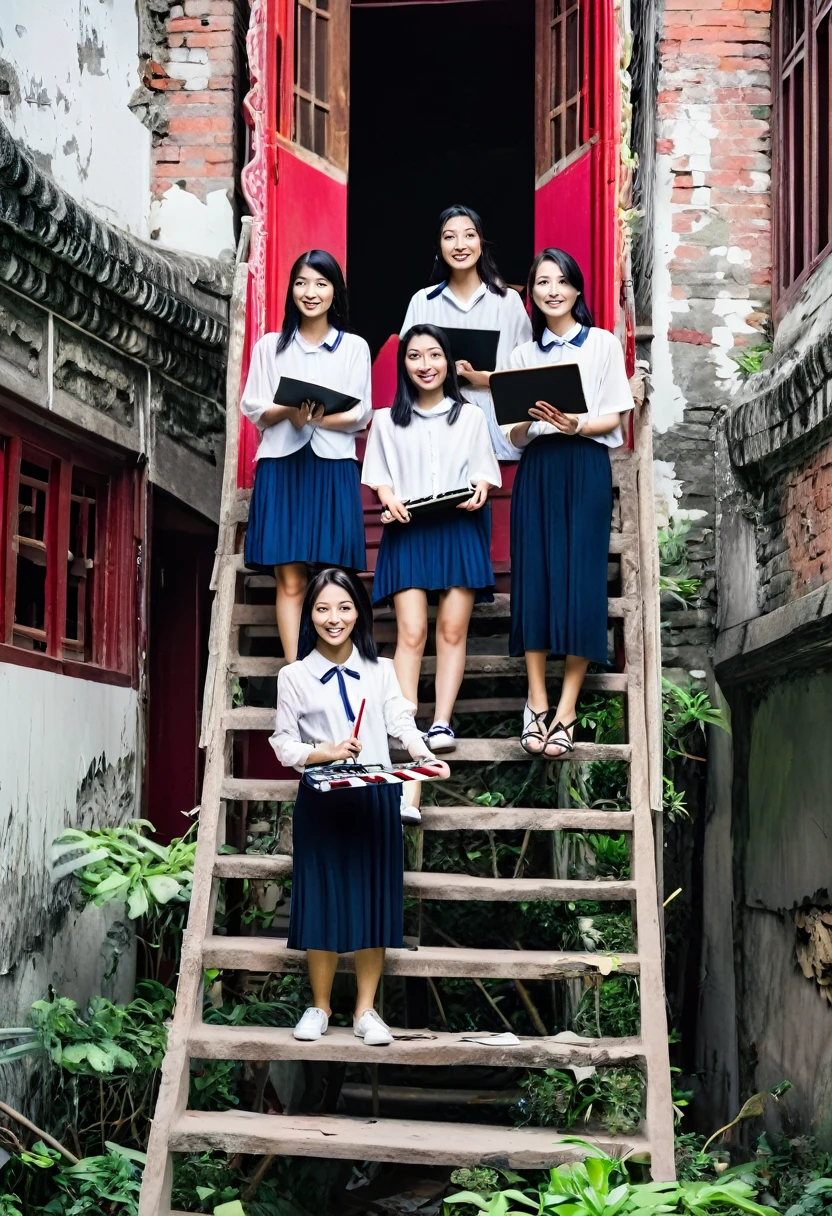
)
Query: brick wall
[
  {"x": 713, "y": 250},
  {"x": 794, "y": 539}
]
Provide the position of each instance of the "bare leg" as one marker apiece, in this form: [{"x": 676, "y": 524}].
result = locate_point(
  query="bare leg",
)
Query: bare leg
[
  {"x": 291, "y": 588},
  {"x": 573, "y": 678},
  {"x": 536, "y": 671},
  {"x": 412, "y": 633},
  {"x": 321, "y": 965},
  {"x": 369, "y": 965},
  {"x": 455, "y": 608}
]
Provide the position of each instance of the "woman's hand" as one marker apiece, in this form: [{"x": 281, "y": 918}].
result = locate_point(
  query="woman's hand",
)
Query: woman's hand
[
  {"x": 478, "y": 498},
  {"x": 309, "y": 413},
  {"x": 392, "y": 507},
  {"x": 567, "y": 424},
  {"x": 347, "y": 749},
  {"x": 475, "y": 379},
  {"x": 441, "y": 769}
]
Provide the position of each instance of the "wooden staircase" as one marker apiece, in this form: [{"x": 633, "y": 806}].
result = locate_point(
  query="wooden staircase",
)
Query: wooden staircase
[{"x": 176, "y": 1129}]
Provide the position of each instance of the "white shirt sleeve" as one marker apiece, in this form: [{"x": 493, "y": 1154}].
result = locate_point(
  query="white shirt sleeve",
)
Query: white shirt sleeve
[
  {"x": 363, "y": 374},
  {"x": 262, "y": 380},
  {"x": 398, "y": 715},
  {"x": 614, "y": 394},
  {"x": 482, "y": 463},
  {"x": 290, "y": 751},
  {"x": 376, "y": 470}
]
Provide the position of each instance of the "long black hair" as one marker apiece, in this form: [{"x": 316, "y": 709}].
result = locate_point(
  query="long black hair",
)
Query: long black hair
[
  {"x": 362, "y": 634},
  {"x": 326, "y": 266},
  {"x": 406, "y": 394},
  {"x": 486, "y": 266},
  {"x": 573, "y": 274}
]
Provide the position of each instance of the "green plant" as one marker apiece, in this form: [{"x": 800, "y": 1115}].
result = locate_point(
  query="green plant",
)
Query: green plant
[
  {"x": 816, "y": 1198},
  {"x": 675, "y": 579},
  {"x": 10, "y": 1205},
  {"x": 685, "y": 714},
  {"x": 611, "y": 1097},
  {"x": 749, "y": 359},
  {"x": 51, "y": 1186}
]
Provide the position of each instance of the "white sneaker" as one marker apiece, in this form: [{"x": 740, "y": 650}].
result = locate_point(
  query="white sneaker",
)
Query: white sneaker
[
  {"x": 371, "y": 1029},
  {"x": 411, "y": 814},
  {"x": 312, "y": 1025},
  {"x": 440, "y": 738}
]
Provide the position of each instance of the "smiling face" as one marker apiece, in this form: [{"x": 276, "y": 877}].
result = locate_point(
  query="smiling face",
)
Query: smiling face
[
  {"x": 460, "y": 243},
  {"x": 426, "y": 364},
  {"x": 312, "y": 293},
  {"x": 334, "y": 615},
  {"x": 552, "y": 292}
]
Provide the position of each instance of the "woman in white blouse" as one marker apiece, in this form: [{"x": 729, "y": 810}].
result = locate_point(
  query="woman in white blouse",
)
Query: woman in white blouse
[
  {"x": 562, "y": 502},
  {"x": 466, "y": 291},
  {"x": 429, "y": 443},
  {"x": 306, "y": 502},
  {"x": 347, "y": 879}
]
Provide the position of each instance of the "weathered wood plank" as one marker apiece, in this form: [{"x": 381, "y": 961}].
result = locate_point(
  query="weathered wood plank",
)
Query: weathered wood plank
[
  {"x": 409, "y": 1047},
  {"x": 264, "y": 954},
  {"x": 385, "y": 620}
]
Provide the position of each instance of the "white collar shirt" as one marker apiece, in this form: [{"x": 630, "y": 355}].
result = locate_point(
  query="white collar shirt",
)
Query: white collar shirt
[
  {"x": 341, "y": 363},
  {"x": 430, "y": 456},
  {"x": 311, "y": 712},
  {"x": 603, "y": 375},
  {"x": 485, "y": 309}
]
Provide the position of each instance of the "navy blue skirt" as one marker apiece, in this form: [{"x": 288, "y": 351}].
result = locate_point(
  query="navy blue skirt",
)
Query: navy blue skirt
[
  {"x": 561, "y": 507},
  {"x": 305, "y": 508},
  {"x": 348, "y": 874},
  {"x": 449, "y": 549}
]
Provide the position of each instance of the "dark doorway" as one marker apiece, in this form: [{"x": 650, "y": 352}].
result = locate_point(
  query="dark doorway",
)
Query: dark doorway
[{"x": 441, "y": 112}]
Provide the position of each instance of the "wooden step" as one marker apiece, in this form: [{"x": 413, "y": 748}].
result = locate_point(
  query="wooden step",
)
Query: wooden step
[
  {"x": 456, "y": 818},
  {"x": 385, "y": 621},
  {"x": 409, "y": 1047},
  {"x": 431, "y": 885},
  {"x": 249, "y": 717},
  {"x": 404, "y": 1140},
  {"x": 477, "y": 666},
  {"x": 266, "y": 954}
]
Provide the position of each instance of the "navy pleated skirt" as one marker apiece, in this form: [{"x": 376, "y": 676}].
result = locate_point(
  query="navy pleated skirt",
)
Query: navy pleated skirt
[
  {"x": 305, "y": 508},
  {"x": 448, "y": 549},
  {"x": 347, "y": 880},
  {"x": 561, "y": 506}
]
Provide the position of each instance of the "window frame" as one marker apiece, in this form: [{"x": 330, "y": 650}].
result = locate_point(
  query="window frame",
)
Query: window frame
[
  {"x": 116, "y": 587},
  {"x": 337, "y": 15},
  {"x": 585, "y": 99},
  {"x": 784, "y": 213}
]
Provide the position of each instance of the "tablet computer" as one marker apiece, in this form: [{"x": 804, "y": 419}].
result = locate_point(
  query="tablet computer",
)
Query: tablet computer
[
  {"x": 293, "y": 393},
  {"x": 514, "y": 392},
  {"x": 438, "y": 502},
  {"x": 477, "y": 346}
]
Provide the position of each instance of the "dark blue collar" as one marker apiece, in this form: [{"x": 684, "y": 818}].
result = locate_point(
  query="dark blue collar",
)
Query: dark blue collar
[
  {"x": 437, "y": 291},
  {"x": 333, "y": 346},
  {"x": 578, "y": 340}
]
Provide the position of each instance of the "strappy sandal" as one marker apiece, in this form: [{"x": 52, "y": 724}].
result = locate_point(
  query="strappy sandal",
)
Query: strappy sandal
[
  {"x": 534, "y": 727},
  {"x": 565, "y": 743}
]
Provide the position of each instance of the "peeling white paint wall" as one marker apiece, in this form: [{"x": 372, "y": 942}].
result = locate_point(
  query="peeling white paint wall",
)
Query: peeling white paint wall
[
  {"x": 667, "y": 401},
  {"x": 69, "y": 756},
  {"x": 72, "y": 66},
  {"x": 180, "y": 220}
]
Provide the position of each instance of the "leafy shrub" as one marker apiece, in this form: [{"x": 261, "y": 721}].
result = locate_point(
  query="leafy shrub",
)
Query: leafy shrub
[{"x": 610, "y": 1097}]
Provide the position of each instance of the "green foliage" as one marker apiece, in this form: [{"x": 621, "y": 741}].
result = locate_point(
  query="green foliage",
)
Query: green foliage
[
  {"x": 10, "y": 1205},
  {"x": 685, "y": 714},
  {"x": 749, "y": 359},
  {"x": 51, "y": 1186},
  {"x": 675, "y": 579},
  {"x": 612, "y": 1098},
  {"x": 792, "y": 1169},
  {"x": 609, "y": 1009}
]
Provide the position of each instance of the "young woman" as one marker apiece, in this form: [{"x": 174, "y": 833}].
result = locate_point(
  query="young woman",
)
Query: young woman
[
  {"x": 348, "y": 856},
  {"x": 467, "y": 292},
  {"x": 562, "y": 502},
  {"x": 306, "y": 503},
  {"x": 431, "y": 442}
]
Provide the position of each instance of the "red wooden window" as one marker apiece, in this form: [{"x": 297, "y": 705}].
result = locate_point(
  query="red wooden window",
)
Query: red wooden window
[
  {"x": 68, "y": 556},
  {"x": 802, "y": 187},
  {"x": 568, "y": 119},
  {"x": 320, "y": 98}
]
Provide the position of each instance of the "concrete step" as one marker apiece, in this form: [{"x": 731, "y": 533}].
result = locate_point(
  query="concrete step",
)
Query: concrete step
[
  {"x": 429, "y": 885},
  {"x": 408, "y": 1047},
  {"x": 267, "y": 954},
  {"x": 404, "y": 1140}
]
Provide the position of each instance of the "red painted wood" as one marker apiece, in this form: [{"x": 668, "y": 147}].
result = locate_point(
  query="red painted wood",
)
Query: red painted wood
[
  {"x": 57, "y": 548},
  {"x": 12, "y": 453},
  {"x": 563, "y": 216},
  {"x": 385, "y": 374},
  {"x": 65, "y": 667}
]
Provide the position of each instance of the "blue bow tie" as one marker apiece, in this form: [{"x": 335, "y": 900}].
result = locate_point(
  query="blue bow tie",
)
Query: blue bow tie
[
  {"x": 578, "y": 340},
  {"x": 340, "y": 672}
]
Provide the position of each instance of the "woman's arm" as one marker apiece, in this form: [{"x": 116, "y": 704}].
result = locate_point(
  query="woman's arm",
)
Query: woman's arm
[
  {"x": 572, "y": 424},
  {"x": 290, "y": 750},
  {"x": 360, "y": 380},
  {"x": 392, "y": 506},
  {"x": 349, "y": 420}
]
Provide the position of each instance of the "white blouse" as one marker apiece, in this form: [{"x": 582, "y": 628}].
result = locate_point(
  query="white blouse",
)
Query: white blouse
[
  {"x": 341, "y": 363},
  {"x": 485, "y": 310},
  {"x": 430, "y": 456},
  {"x": 310, "y": 712},
  {"x": 603, "y": 375}
]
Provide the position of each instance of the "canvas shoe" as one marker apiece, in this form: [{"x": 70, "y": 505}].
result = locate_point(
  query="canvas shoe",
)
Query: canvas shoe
[
  {"x": 312, "y": 1025},
  {"x": 440, "y": 738},
  {"x": 371, "y": 1029},
  {"x": 411, "y": 814}
]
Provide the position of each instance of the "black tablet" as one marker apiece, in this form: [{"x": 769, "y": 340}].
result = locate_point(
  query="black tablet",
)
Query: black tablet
[
  {"x": 477, "y": 346},
  {"x": 450, "y": 500},
  {"x": 514, "y": 392},
  {"x": 293, "y": 393}
]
